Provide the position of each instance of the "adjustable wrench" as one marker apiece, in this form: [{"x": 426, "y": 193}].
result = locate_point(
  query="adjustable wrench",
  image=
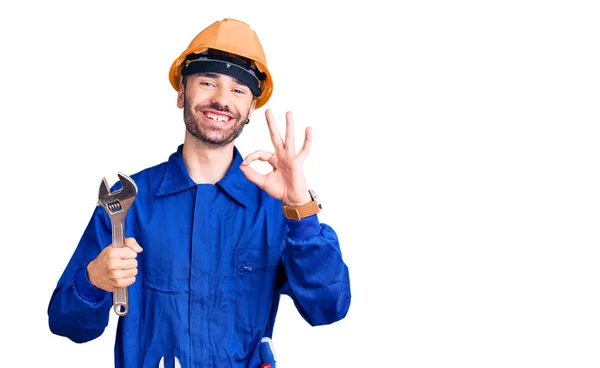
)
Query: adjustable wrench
[{"x": 116, "y": 205}]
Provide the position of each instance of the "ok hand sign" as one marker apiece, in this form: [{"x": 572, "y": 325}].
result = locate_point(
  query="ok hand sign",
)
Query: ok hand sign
[{"x": 286, "y": 182}]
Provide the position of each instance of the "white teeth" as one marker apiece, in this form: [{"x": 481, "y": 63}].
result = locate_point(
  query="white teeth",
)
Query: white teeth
[{"x": 216, "y": 117}]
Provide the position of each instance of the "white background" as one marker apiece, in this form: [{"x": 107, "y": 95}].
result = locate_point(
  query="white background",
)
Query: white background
[{"x": 456, "y": 150}]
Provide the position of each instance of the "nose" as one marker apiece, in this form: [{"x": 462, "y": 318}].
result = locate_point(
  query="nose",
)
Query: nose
[{"x": 220, "y": 97}]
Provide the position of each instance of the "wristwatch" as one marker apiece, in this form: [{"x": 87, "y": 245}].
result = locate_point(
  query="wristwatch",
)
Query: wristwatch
[{"x": 300, "y": 212}]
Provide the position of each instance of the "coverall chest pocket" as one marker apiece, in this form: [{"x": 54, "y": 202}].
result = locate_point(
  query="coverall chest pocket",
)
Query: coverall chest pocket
[
  {"x": 165, "y": 265},
  {"x": 255, "y": 285}
]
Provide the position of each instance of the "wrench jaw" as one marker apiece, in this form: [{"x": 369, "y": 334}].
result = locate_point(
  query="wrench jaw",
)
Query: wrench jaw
[
  {"x": 120, "y": 200},
  {"x": 129, "y": 188},
  {"x": 104, "y": 190},
  {"x": 104, "y": 195},
  {"x": 127, "y": 193}
]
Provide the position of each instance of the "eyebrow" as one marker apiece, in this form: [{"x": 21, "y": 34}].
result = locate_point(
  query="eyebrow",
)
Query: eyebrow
[
  {"x": 216, "y": 76},
  {"x": 209, "y": 75}
]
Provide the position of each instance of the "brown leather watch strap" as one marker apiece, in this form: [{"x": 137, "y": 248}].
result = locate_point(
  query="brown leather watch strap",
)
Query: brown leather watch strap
[{"x": 300, "y": 212}]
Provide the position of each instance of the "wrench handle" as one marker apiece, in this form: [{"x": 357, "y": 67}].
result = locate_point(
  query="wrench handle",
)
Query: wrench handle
[{"x": 120, "y": 297}]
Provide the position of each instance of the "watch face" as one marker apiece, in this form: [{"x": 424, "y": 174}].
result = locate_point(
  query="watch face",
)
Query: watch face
[{"x": 315, "y": 197}]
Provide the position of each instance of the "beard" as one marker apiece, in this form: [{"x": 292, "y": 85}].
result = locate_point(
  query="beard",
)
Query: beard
[{"x": 212, "y": 135}]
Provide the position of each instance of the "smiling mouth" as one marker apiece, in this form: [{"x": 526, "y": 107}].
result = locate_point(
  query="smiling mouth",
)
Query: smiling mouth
[{"x": 217, "y": 117}]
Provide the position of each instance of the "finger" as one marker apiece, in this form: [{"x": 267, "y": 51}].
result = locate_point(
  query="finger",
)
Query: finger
[
  {"x": 290, "y": 145},
  {"x": 253, "y": 176},
  {"x": 127, "y": 274},
  {"x": 128, "y": 264},
  {"x": 133, "y": 244},
  {"x": 307, "y": 144},
  {"x": 124, "y": 253},
  {"x": 123, "y": 283},
  {"x": 257, "y": 155},
  {"x": 275, "y": 135}
]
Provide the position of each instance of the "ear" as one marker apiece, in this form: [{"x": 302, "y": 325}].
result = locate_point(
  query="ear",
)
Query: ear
[
  {"x": 252, "y": 106},
  {"x": 181, "y": 94}
]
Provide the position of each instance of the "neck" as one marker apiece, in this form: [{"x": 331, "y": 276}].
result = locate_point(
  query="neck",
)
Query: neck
[{"x": 206, "y": 164}]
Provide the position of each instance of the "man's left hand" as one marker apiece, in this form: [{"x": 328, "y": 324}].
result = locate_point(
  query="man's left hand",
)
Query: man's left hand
[{"x": 286, "y": 182}]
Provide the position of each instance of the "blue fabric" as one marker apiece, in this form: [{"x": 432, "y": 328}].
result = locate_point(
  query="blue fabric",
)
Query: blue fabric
[
  {"x": 87, "y": 291},
  {"x": 266, "y": 354},
  {"x": 216, "y": 259}
]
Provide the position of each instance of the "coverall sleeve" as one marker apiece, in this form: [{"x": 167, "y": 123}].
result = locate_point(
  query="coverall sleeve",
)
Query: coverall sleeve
[
  {"x": 77, "y": 309},
  {"x": 317, "y": 277}
]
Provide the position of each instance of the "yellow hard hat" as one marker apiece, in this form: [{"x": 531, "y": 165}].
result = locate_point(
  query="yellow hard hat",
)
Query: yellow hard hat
[{"x": 231, "y": 36}]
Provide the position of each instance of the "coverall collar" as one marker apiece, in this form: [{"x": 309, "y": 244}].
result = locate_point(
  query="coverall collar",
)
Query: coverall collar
[{"x": 177, "y": 178}]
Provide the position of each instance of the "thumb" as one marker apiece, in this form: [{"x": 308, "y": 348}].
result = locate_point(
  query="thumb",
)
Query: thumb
[
  {"x": 133, "y": 244},
  {"x": 267, "y": 353}
]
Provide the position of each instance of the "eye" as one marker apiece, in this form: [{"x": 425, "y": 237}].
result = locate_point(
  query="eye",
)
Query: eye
[
  {"x": 239, "y": 91},
  {"x": 207, "y": 83}
]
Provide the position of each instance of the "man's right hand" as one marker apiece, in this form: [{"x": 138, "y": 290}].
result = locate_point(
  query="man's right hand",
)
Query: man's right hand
[{"x": 115, "y": 268}]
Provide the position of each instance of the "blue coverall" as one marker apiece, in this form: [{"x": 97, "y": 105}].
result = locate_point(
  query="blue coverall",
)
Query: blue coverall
[{"x": 215, "y": 260}]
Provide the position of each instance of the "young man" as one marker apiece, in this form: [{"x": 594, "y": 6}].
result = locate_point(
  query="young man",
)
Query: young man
[{"x": 220, "y": 241}]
